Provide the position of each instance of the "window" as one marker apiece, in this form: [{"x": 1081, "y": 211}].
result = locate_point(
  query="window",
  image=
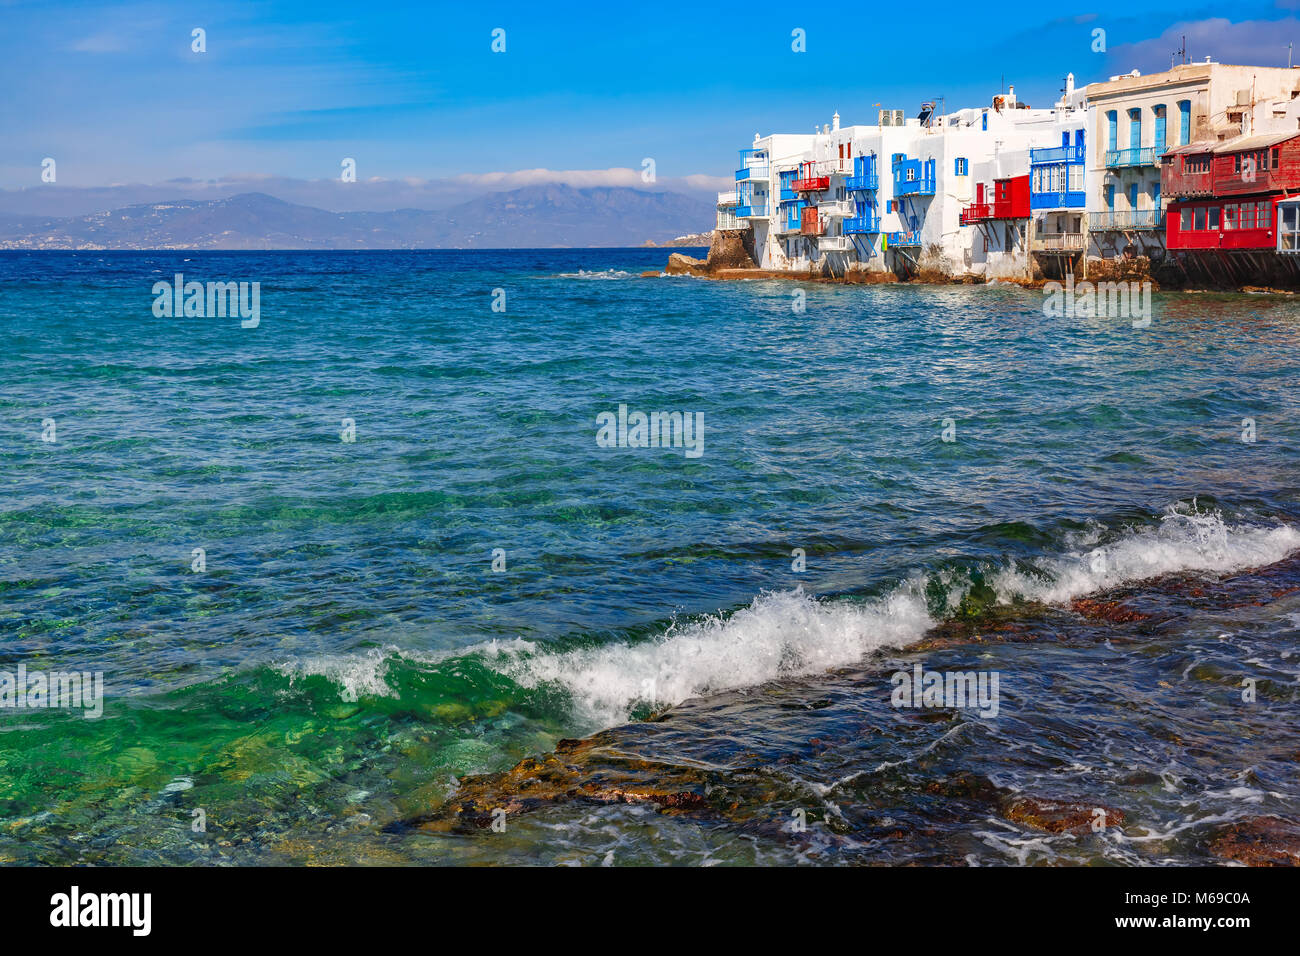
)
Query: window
[
  {"x": 1185, "y": 219},
  {"x": 1198, "y": 218},
  {"x": 1110, "y": 196},
  {"x": 1230, "y": 216},
  {"x": 1288, "y": 233},
  {"x": 961, "y": 167},
  {"x": 1265, "y": 215},
  {"x": 1112, "y": 130},
  {"x": 1076, "y": 177},
  {"x": 1277, "y": 157},
  {"x": 1184, "y": 122},
  {"x": 1134, "y": 128},
  {"x": 984, "y": 121},
  {"x": 1213, "y": 217},
  {"x": 1159, "y": 141}
]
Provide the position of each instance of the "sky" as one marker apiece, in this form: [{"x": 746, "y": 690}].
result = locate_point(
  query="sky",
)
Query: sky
[{"x": 583, "y": 93}]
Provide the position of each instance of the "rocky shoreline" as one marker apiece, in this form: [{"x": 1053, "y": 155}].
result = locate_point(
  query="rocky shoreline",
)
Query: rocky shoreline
[
  {"x": 731, "y": 256},
  {"x": 756, "y": 777}
]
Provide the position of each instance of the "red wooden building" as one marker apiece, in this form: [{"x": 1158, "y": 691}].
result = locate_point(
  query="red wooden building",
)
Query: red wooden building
[{"x": 1224, "y": 194}]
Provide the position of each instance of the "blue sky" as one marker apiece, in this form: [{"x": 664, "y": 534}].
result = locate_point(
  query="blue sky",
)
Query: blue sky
[{"x": 583, "y": 93}]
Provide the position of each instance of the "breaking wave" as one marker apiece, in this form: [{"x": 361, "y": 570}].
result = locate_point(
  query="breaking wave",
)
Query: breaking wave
[{"x": 787, "y": 634}]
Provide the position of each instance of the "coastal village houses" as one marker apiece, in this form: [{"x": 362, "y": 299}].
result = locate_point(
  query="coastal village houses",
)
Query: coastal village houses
[{"x": 1194, "y": 170}]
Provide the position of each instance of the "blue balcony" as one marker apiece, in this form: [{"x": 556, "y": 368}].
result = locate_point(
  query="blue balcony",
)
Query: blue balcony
[
  {"x": 914, "y": 187},
  {"x": 913, "y": 177},
  {"x": 904, "y": 240},
  {"x": 753, "y": 165},
  {"x": 1065, "y": 200},
  {"x": 1133, "y": 156},
  {"x": 756, "y": 211},
  {"x": 1057, "y": 154},
  {"x": 787, "y": 185},
  {"x": 867, "y": 225},
  {"x": 864, "y": 178}
]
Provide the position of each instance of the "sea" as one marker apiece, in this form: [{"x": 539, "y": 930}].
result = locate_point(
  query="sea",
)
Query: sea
[{"x": 496, "y": 557}]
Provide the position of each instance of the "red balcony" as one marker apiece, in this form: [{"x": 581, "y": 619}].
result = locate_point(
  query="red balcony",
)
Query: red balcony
[
  {"x": 807, "y": 180},
  {"x": 1010, "y": 201},
  {"x": 810, "y": 224},
  {"x": 813, "y": 184}
]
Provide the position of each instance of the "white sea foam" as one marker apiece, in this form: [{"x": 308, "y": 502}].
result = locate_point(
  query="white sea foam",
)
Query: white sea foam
[
  {"x": 357, "y": 675},
  {"x": 1185, "y": 540},
  {"x": 781, "y": 634},
  {"x": 791, "y": 634},
  {"x": 596, "y": 274}
]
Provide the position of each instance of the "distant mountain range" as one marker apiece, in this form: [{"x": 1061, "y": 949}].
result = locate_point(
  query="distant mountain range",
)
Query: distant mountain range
[{"x": 532, "y": 217}]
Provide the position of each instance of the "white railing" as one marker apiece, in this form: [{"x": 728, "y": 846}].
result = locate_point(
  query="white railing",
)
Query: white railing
[
  {"x": 838, "y": 209},
  {"x": 728, "y": 198},
  {"x": 834, "y": 243}
]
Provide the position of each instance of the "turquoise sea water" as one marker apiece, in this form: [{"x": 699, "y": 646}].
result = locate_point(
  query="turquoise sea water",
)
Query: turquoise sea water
[{"x": 349, "y": 651}]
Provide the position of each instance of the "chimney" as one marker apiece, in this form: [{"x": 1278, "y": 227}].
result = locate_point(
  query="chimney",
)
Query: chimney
[
  {"x": 835, "y": 121},
  {"x": 1069, "y": 85}
]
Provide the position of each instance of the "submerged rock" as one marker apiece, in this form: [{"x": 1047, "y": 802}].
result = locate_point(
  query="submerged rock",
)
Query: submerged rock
[
  {"x": 1264, "y": 841},
  {"x": 1056, "y": 816}
]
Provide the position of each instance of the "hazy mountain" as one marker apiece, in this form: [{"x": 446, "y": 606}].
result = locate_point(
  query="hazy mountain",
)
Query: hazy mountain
[{"x": 535, "y": 216}]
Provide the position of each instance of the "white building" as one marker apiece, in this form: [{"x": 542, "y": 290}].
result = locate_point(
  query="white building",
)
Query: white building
[{"x": 891, "y": 196}]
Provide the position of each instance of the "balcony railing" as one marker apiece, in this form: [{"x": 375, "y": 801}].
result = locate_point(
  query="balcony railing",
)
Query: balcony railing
[
  {"x": 838, "y": 209},
  {"x": 976, "y": 212},
  {"x": 861, "y": 184},
  {"x": 913, "y": 187},
  {"x": 813, "y": 184},
  {"x": 755, "y": 211},
  {"x": 834, "y": 243},
  {"x": 1071, "y": 199},
  {"x": 904, "y": 239},
  {"x": 1057, "y": 154},
  {"x": 728, "y": 198},
  {"x": 747, "y": 173},
  {"x": 862, "y": 226},
  {"x": 727, "y": 219},
  {"x": 1126, "y": 220},
  {"x": 1133, "y": 156},
  {"x": 1057, "y": 242}
]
